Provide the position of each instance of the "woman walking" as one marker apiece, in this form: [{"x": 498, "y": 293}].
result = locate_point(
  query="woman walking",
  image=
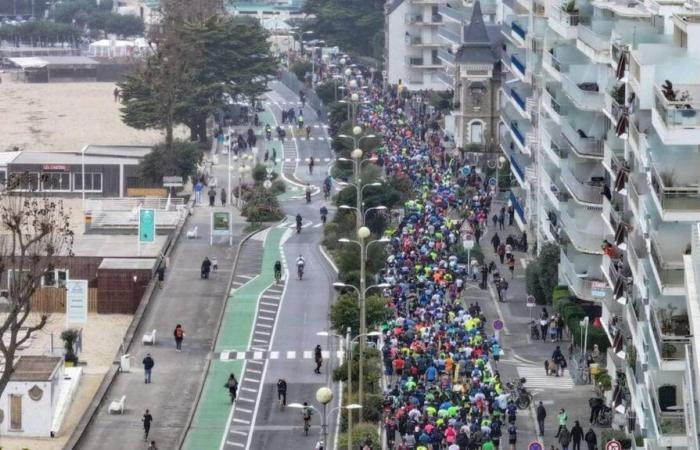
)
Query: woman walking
[{"x": 179, "y": 335}]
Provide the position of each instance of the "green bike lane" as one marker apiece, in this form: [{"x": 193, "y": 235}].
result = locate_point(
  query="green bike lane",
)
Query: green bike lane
[{"x": 211, "y": 417}]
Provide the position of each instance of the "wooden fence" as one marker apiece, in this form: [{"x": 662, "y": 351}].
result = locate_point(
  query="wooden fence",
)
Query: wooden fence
[{"x": 53, "y": 300}]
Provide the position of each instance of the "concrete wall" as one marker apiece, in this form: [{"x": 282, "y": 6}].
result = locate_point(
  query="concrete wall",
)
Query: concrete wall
[{"x": 37, "y": 415}]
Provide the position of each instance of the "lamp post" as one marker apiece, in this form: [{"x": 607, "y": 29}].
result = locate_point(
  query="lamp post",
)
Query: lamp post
[
  {"x": 497, "y": 164},
  {"x": 348, "y": 358}
]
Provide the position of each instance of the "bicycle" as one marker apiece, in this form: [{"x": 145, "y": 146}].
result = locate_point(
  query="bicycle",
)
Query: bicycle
[
  {"x": 300, "y": 271},
  {"x": 278, "y": 276},
  {"x": 307, "y": 426}
]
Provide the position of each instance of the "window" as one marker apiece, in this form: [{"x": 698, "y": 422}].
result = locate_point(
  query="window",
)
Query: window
[
  {"x": 93, "y": 182},
  {"x": 55, "y": 278},
  {"x": 476, "y": 130},
  {"x": 24, "y": 181},
  {"x": 55, "y": 181}
]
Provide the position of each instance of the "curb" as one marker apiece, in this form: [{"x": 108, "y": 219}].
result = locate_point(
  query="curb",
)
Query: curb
[
  {"x": 328, "y": 258},
  {"x": 111, "y": 374},
  {"x": 205, "y": 372}
]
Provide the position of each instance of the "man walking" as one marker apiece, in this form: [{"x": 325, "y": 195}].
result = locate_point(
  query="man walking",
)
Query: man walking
[
  {"x": 576, "y": 436},
  {"x": 562, "y": 418},
  {"x": 282, "y": 391},
  {"x": 541, "y": 415},
  {"x": 212, "y": 196},
  {"x": 148, "y": 364},
  {"x": 318, "y": 357},
  {"x": 147, "y": 419}
]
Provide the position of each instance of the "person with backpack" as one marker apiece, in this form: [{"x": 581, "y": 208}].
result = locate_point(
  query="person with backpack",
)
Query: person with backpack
[
  {"x": 232, "y": 386},
  {"x": 179, "y": 334},
  {"x": 148, "y": 364}
]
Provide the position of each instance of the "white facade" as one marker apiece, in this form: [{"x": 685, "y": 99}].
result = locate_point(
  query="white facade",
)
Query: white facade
[{"x": 412, "y": 44}]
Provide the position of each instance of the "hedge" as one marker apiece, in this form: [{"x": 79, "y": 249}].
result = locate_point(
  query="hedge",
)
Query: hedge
[
  {"x": 572, "y": 313},
  {"x": 360, "y": 432},
  {"x": 617, "y": 435}
]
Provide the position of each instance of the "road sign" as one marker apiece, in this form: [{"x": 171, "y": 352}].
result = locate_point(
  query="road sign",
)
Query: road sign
[
  {"x": 530, "y": 301},
  {"x": 613, "y": 445},
  {"x": 267, "y": 184},
  {"x": 492, "y": 182},
  {"x": 147, "y": 225},
  {"x": 466, "y": 170},
  {"x": 76, "y": 301},
  {"x": 534, "y": 445},
  {"x": 172, "y": 181},
  {"x": 498, "y": 325}
]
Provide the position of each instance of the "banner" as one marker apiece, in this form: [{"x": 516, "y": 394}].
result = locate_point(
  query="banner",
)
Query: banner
[{"x": 76, "y": 301}]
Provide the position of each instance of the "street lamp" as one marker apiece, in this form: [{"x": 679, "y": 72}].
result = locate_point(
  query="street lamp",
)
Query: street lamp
[
  {"x": 348, "y": 358},
  {"x": 498, "y": 165}
]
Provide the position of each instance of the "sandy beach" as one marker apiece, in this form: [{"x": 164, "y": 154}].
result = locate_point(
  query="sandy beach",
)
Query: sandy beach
[
  {"x": 63, "y": 117},
  {"x": 102, "y": 335}
]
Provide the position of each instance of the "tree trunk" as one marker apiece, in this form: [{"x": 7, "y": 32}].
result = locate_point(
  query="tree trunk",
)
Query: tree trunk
[{"x": 202, "y": 128}]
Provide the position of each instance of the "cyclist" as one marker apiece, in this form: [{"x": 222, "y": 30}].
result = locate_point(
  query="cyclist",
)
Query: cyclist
[
  {"x": 300, "y": 266},
  {"x": 308, "y": 132},
  {"x": 327, "y": 187},
  {"x": 232, "y": 386},
  {"x": 306, "y": 413},
  {"x": 298, "y": 223},
  {"x": 324, "y": 213},
  {"x": 278, "y": 271},
  {"x": 308, "y": 189},
  {"x": 282, "y": 391},
  {"x": 268, "y": 132},
  {"x": 300, "y": 121}
]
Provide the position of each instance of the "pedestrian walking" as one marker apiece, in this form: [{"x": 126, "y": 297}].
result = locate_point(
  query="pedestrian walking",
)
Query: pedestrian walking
[
  {"x": 161, "y": 275},
  {"x": 511, "y": 266},
  {"x": 591, "y": 439},
  {"x": 198, "y": 188},
  {"x": 179, "y": 335},
  {"x": 152, "y": 446},
  {"x": 477, "y": 234},
  {"x": 564, "y": 438},
  {"x": 494, "y": 219},
  {"x": 212, "y": 196},
  {"x": 511, "y": 215},
  {"x": 501, "y": 251},
  {"x": 501, "y": 220},
  {"x": 318, "y": 358},
  {"x": 147, "y": 419},
  {"x": 148, "y": 365},
  {"x": 222, "y": 195},
  {"x": 562, "y": 419},
  {"x": 116, "y": 95},
  {"x": 232, "y": 386},
  {"x": 512, "y": 436},
  {"x": 274, "y": 156},
  {"x": 495, "y": 241},
  {"x": 206, "y": 268},
  {"x": 560, "y": 327},
  {"x": 541, "y": 416},
  {"x": 311, "y": 165},
  {"x": 576, "y": 436}
]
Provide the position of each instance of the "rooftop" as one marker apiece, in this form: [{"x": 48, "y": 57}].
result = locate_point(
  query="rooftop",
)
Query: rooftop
[
  {"x": 116, "y": 246},
  {"x": 43, "y": 61},
  {"x": 128, "y": 263},
  {"x": 35, "y": 368},
  {"x": 74, "y": 158}
]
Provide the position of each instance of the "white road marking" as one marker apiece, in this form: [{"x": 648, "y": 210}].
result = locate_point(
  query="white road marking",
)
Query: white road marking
[
  {"x": 274, "y": 355},
  {"x": 237, "y": 444},
  {"x": 250, "y": 380},
  {"x": 224, "y": 356},
  {"x": 239, "y": 432},
  {"x": 268, "y": 303},
  {"x": 245, "y": 399},
  {"x": 240, "y": 355},
  {"x": 242, "y": 421},
  {"x": 257, "y": 355},
  {"x": 307, "y": 355},
  {"x": 291, "y": 355},
  {"x": 264, "y": 325},
  {"x": 255, "y": 371},
  {"x": 536, "y": 378},
  {"x": 264, "y": 333},
  {"x": 266, "y": 318},
  {"x": 260, "y": 340}
]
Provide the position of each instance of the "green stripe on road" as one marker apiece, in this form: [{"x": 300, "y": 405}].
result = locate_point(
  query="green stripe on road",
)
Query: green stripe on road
[{"x": 210, "y": 420}]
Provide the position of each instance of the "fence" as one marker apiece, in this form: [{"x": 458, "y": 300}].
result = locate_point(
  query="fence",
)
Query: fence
[
  {"x": 290, "y": 80},
  {"x": 53, "y": 300}
]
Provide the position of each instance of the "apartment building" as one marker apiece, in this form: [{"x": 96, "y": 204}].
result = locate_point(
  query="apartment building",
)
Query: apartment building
[
  {"x": 618, "y": 161},
  {"x": 412, "y": 43}
]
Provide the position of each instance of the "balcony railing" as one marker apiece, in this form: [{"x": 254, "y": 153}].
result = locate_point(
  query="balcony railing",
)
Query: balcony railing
[
  {"x": 585, "y": 288},
  {"x": 586, "y": 146},
  {"x": 414, "y": 40},
  {"x": 671, "y": 273},
  {"x": 584, "y": 241},
  {"x": 517, "y": 133},
  {"x": 567, "y": 19},
  {"x": 449, "y": 35},
  {"x": 518, "y": 64},
  {"x": 551, "y": 60},
  {"x": 450, "y": 12},
  {"x": 583, "y": 192},
  {"x": 669, "y": 423},
  {"x": 677, "y": 114},
  {"x": 675, "y": 198},
  {"x": 518, "y": 29},
  {"x": 517, "y": 207},
  {"x": 446, "y": 56},
  {"x": 518, "y": 99},
  {"x": 516, "y": 167},
  {"x": 598, "y": 42},
  {"x": 613, "y": 107},
  {"x": 585, "y": 98}
]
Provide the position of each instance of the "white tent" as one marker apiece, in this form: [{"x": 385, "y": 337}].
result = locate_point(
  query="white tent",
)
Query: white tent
[{"x": 113, "y": 48}]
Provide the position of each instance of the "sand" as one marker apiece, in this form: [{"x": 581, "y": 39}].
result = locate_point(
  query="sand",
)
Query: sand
[
  {"x": 102, "y": 336},
  {"x": 63, "y": 117}
]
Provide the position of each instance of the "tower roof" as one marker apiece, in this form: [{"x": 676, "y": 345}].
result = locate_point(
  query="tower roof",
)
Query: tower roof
[{"x": 477, "y": 47}]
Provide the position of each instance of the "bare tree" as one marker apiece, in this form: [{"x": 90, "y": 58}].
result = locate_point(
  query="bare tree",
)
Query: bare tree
[{"x": 35, "y": 234}]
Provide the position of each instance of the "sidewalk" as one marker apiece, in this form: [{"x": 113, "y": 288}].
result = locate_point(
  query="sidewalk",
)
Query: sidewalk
[{"x": 185, "y": 299}]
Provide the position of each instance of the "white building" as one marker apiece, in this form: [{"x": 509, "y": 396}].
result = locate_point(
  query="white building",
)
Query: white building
[
  {"x": 412, "y": 43},
  {"x": 31, "y": 398}
]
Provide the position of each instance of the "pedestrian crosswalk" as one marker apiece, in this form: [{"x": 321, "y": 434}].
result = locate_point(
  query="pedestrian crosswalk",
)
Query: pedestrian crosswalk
[
  {"x": 537, "y": 379},
  {"x": 256, "y": 355}
]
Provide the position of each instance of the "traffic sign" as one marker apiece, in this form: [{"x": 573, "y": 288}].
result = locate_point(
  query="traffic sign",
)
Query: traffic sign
[
  {"x": 535, "y": 445},
  {"x": 267, "y": 184},
  {"x": 613, "y": 445},
  {"x": 492, "y": 182},
  {"x": 498, "y": 325},
  {"x": 530, "y": 301},
  {"x": 466, "y": 170}
]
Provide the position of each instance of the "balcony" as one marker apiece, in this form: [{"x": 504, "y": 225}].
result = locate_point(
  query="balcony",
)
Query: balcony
[
  {"x": 668, "y": 414},
  {"x": 445, "y": 77},
  {"x": 446, "y": 56},
  {"x": 450, "y": 13},
  {"x": 614, "y": 155},
  {"x": 449, "y": 36},
  {"x": 677, "y": 122},
  {"x": 612, "y": 211},
  {"x": 420, "y": 63},
  {"x": 593, "y": 40},
  {"x": 419, "y": 42},
  {"x": 583, "y": 285},
  {"x": 636, "y": 257},
  {"x": 518, "y": 162},
  {"x": 518, "y": 65},
  {"x": 583, "y": 237},
  {"x": 583, "y": 145},
  {"x": 586, "y": 193},
  {"x": 612, "y": 108},
  {"x": 671, "y": 333},
  {"x": 552, "y": 104},
  {"x": 518, "y": 208},
  {"x": 554, "y": 145},
  {"x": 586, "y": 95},
  {"x": 668, "y": 271},
  {"x": 562, "y": 22},
  {"x": 675, "y": 202}
]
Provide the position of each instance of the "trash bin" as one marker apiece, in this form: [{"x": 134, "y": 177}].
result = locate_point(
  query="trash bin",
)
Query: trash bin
[{"x": 125, "y": 363}]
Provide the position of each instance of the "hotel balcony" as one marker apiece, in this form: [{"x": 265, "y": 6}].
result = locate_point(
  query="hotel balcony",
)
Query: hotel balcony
[
  {"x": 593, "y": 40},
  {"x": 557, "y": 59},
  {"x": 553, "y": 143},
  {"x": 585, "y": 230},
  {"x": 624, "y": 8},
  {"x": 552, "y": 187},
  {"x": 553, "y": 101},
  {"x": 639, "y": 127},
  {"x": 585, "y": 86},
  {"x": 675, "y": 190},
  {"x": 452, "y": 14},
  {"x": 614, "y": 155},
  {"x": 586, "y": 140},
  {"x": 446, "y": 78},
  {"x": 577, "y": 275},
  {"x": 587, "y": 193},
  {"x": 666, "y": 250},
  {"x": 664, "y": 390},
  {"x": 449, "y": 36},
  {"x": 638, "y": 260},
  {"x": 419, "y": 42},
  {"x": 563, "y": 23},
  {"x": 613, "y": 210},
  {"x": 677, "y": 121},
  {"x": 637, "y": 192},
  {"x": 520, "y": 216},
  {"x": 520, "y": 129}
]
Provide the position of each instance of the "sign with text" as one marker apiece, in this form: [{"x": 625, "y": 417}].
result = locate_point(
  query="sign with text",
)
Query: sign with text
[
  {"x": 221, "y": 226},
  {"x": 147, "y": 226},
  {"x": 76, "y": 301}
]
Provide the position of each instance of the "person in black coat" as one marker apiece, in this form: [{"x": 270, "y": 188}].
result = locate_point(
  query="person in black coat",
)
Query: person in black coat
[
  {"x": 541, "y": 415},
  {"x": 576, "y": 436},
  {"x": 495, "y": 241},
  {"x": 206, "y": 268},
  {"x": 591, "y": 439}
]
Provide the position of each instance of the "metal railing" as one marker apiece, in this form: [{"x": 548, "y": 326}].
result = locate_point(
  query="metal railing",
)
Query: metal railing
[
  {"x": 584, "y": 99},
  {"x": 584, "y": 288},
  {"x": 583, "y": 240},
  {"x": 586, "y": 146},
  {"x": 583, "y": 192},
  {"x": 518, "y": 99},
  {"x": 450, "y": 12},
  {"x": 518, "y": 134},
  {"x": 680, "y": 113},
  {"x": 93, "y": 205},
  {"x": 613, "y": 107},
  {"x": 598, "y": 42},
  {"x": 671, "y": 348},
  {"x": 671, "y": 273},
  {"x": 449, "y": 35},
  {"x": 568, "y": 19},
  {"x": 517, "y": 207},
  {"x": 551, "y": 60},
  {"x": 518, "y": 29},
  {"x": 675, "y": 198}
]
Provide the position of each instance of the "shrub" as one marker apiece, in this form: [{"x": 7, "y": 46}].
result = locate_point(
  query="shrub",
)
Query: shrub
[
  {"x": 327, "y": 92},
  {"x": 463, "y": 255},
  {"x": 373, "y": 408},
  {"x": 261, "y": 206},
  {"x": 300, "y": 69},
  {"x": 560, "y": 292},
  {"x": 532, "y": 284},
  {"x": 345, "y": 313},
  {"x": 361, "y": 432},
  {"x": 542, "y": 275}
]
